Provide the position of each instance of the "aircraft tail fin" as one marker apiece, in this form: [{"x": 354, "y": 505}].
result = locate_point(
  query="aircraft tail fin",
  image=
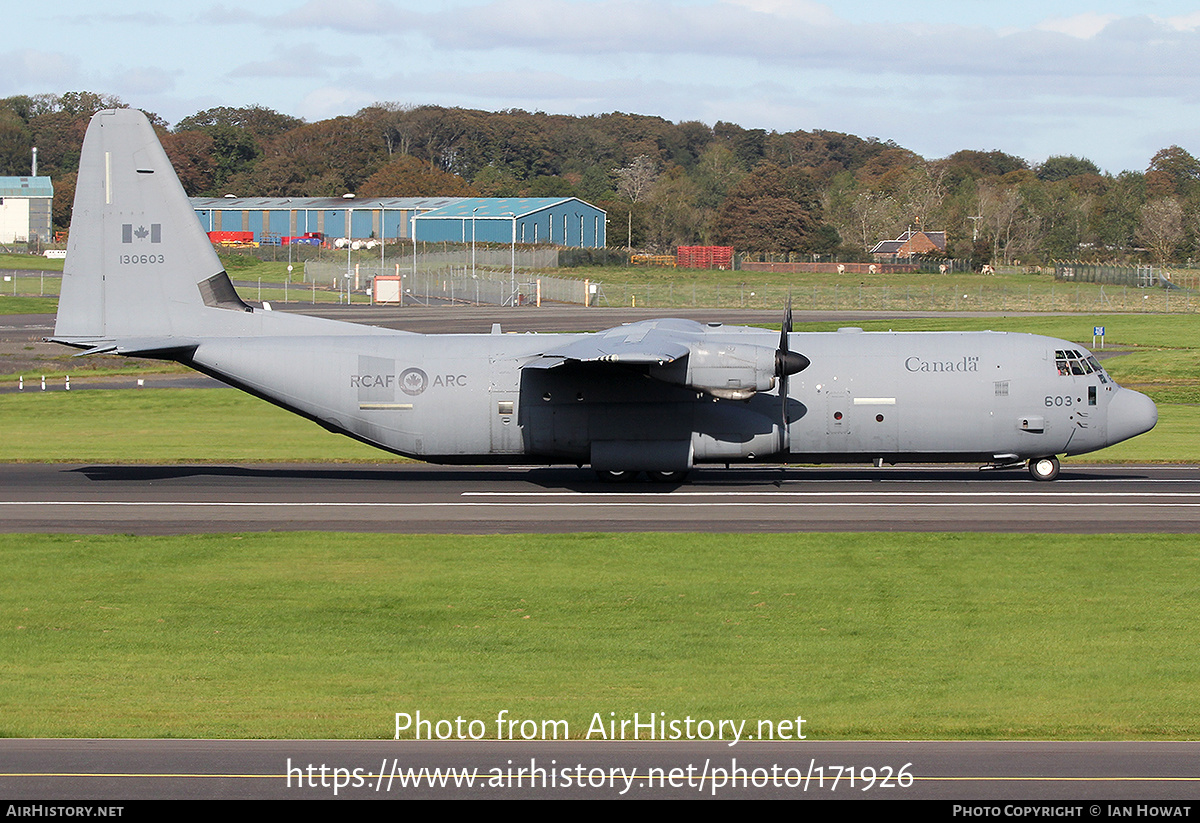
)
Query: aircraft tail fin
[{"x": 139, "y": 265}]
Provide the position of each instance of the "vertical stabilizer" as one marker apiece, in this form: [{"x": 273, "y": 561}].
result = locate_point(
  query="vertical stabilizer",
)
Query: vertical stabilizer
[{"x": 138, "y": 262}]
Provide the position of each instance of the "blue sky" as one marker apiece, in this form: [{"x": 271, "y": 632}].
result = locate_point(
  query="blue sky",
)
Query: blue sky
[{"x": 1113, "y": 81}]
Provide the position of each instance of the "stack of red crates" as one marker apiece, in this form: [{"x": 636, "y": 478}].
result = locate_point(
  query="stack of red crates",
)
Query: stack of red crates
[
  {"x": 244, "y": 237},
  {"x": 704, "y": 257}
]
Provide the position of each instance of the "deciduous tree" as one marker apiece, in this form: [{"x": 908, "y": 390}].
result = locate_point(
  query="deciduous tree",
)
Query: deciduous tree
[
  {"x": 1161, "y": 227},
  {"x": 634, "y": 181},
  {"x": 406, "y": 176},
  {"x": 772, "y": 209}
]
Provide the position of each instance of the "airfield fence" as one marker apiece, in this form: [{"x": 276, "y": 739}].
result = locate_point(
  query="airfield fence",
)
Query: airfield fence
[
  {"x": 1126, "y": 275},
  {"x": 486, "y": 283},
  {"x": 494, "y": 287},
  {"x": 1041, "y": 295},
  {"x": 1114, "y": 273}
]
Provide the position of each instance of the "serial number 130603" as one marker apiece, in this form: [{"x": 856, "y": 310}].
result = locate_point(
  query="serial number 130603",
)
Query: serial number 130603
[{"x": 141, "y": 259}]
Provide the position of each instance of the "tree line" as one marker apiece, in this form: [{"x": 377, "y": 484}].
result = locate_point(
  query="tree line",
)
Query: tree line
[{"x": 663, "y": 184}]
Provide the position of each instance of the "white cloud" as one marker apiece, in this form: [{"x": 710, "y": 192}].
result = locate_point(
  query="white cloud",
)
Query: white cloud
[
  {"x": 45, "y": 70},
  {"x": 816, "y": 14},
  {"x": 1083, "y": 26},
  {"x": 299, "y": 60},
  {"x": 360, "y": 16},
  {"x": 1184, "y": 22},
  {"x": 143, "y": 81},
  {"x": 331, "y": 101}
]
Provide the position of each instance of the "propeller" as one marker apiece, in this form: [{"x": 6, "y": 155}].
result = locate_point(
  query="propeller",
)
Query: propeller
[{"x": 787, "y": 363}]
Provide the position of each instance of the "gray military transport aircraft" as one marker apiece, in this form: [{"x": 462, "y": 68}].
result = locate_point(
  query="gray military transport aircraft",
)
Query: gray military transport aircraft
[{"x": 658, "y": 396}]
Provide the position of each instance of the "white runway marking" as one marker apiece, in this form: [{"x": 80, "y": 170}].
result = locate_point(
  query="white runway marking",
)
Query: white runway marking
[
  {"x": 609, "y": 495},
  {"x": 598, "y": 502}
]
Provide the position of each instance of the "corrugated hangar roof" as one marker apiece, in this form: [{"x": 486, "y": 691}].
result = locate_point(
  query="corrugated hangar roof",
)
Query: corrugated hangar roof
[
  {"x": 503, "y": 207},
  {"x": 321, "y": 203},
  {"x": 26, "y": 187}
]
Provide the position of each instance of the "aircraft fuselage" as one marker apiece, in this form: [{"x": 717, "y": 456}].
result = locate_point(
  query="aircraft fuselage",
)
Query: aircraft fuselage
[{"x": 896, "y": 397}]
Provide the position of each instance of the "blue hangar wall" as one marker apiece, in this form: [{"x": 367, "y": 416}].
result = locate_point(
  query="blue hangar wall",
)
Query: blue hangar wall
[
  {"x": 532, "y": 220},
  {"x": 270, "y": 218},
  {"x": 553, "y": 220}
]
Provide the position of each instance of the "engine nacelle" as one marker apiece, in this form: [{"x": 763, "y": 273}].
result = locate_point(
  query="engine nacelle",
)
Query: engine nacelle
[{"x": 729, "y": 371}]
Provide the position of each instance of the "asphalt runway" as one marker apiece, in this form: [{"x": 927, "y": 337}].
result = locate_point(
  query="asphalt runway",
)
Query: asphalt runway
[
  {"x": 419, "y": 498},
  {"x": 996, "y": 773}
]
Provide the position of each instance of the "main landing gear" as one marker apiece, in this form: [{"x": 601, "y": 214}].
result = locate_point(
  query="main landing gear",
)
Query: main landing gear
[
  {"x": 1044, "y": 468},
  {"x": 630, "y": 476}
]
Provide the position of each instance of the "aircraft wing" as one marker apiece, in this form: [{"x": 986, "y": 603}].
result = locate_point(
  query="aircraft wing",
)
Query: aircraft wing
[
  {"x": 681, "y": 352},
  {"x": 647, "y": 343}
]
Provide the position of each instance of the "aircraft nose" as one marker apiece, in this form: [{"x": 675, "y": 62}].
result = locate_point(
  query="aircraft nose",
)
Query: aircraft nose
[{"x": 1130, "y": 413}]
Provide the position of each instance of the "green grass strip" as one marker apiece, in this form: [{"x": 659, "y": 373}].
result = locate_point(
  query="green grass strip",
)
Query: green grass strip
[
  {"x": 27, "y": 305},
  {"x": 163, "y": 426},
  {"x": 864, "y": 635}
]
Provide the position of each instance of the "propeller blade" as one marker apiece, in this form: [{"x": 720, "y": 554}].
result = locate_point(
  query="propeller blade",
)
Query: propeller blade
[
  {"x": 786, "y": 329},
  {"x": 787, "y": 362}
]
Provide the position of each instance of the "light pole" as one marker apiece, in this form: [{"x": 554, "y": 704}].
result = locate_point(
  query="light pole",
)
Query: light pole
[
  {"x": 512, "y": 295},
  {"x": 349, "y": 242},
  {"x": 413, "y": 231},
  {"x": 477, "y": 208}
]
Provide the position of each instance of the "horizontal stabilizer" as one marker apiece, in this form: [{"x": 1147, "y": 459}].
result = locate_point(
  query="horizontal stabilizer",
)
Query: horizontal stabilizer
[{"x": 162, "y": 348}]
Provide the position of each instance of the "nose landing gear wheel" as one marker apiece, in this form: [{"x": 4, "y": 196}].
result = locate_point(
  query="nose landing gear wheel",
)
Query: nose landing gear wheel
[{"x": 1044, "y": 468}]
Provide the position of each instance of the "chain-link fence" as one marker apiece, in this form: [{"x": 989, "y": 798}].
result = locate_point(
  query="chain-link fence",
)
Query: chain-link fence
[
  {"x": 1114, "y": 273},
  {"x": 499, "y": 286},
  {"x": 483, "y": 283},
  {"x": 926, "y": 265},
  {"x": 1041, "y": 295}
]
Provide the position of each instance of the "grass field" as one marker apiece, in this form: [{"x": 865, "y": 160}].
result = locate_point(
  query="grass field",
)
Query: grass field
[
  {"x": 30, "y": 262},
  {"x": 670, "y": 288},
  {"x": 27, "y": 305},
  {"x": 164, "y": 426},
  {"x": 866, "y": 636}
]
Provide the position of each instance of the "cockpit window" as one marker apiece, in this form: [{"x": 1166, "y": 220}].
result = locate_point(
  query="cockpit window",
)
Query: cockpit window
[
  {"x": 1095, "y": 364},
  {"x": 1074, "y": 362}
]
